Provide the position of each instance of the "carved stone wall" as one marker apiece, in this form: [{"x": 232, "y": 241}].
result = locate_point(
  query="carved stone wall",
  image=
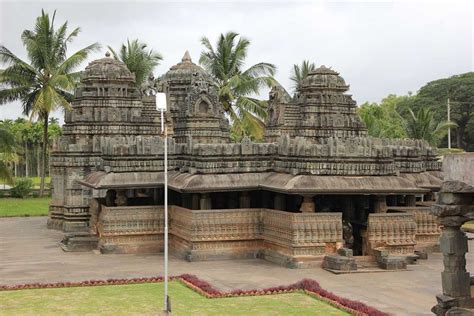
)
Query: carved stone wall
[
  {"x": 290, "y": 239},
  {"x": 428, "y": 229},
  {"x": 130, "y": 229},
  {"x": 300, "y": 239},
  {"x": 216, "y": 234},
  {"x": 392, "y": 232}
]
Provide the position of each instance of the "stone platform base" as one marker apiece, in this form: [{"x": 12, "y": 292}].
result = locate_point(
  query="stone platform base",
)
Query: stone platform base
[
  {"x": 54, "y": 223},
  {"x": 292, "y": 262},
  {"x": 78, "y": 242},
  {"x": 134, "y": 244},
  {"x": 215, "y": 250},
  {"x": 451, "y": 306},
  {"x": 339, "y": 263}
]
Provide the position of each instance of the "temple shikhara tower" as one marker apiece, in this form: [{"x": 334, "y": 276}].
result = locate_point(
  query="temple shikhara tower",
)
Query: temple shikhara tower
[{"x": 318, "y": 190}]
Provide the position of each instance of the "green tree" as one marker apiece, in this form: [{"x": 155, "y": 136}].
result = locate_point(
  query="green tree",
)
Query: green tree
[
  {"x": 7, "y": 154},
  {"x": 384, "y": 120},
  {"x": 139, "y": 60},
  {"x": 44, "y": 84},
  {"x": 423, "y": 125},
  {"x": 300, "y": 72},
  {"x": 460, "y": 90},
  {"x": 237, "y": 86}
]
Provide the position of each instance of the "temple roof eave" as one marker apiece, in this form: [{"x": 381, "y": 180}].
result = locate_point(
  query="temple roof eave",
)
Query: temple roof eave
[{"x": 271, "y": 181}]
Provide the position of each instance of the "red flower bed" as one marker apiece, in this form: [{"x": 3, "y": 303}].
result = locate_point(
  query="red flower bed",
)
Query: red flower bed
[{"x": 307, "y": 286}]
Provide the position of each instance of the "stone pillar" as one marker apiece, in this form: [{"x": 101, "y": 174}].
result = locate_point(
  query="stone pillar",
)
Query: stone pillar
[
  {"x": 205, "y": 202},
  {"x": 121, "y": 198},
  {"x": 195, "y": 203},
  {"x": 380, "y": 204},
  {"x": 308, "y": 205},
  {"x": 455, "y": 206},
  {"x": 455, "y": 278},
  {"x": 109, "y": 198},
  {"x": 410, "y": 200},
  {"x": 280, "y": 202},
  {"x": 244, "y": 199}
]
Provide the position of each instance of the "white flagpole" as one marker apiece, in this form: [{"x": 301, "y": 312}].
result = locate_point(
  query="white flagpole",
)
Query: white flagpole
[
  {"x": 166, "y": 221},
  {"x": 161, "y": 104}
]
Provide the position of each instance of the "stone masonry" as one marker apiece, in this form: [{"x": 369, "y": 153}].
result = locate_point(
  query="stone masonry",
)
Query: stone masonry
[
  {"x": 288, "y": 199},
  {"x": 455, "y": 206}
]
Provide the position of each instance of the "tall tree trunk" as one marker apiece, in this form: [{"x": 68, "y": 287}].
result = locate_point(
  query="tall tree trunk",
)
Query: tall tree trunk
[
  {"x": 38, "y": 160},
  {"x": 45, "y": 149},
  {"x": 458, "y": 137},
  {"x": 27, "y": 173},
  {"x": 16, "y": 165}
]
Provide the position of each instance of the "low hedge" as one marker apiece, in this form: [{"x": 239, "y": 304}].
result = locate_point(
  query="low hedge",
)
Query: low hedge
[{"x": 308, "y": 286}]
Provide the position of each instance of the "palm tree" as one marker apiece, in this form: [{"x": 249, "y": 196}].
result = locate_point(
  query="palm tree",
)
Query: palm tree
[
  {"x": 138, "y": 59},
  {"x": 300, "y": 72},
  {"x": 44, "y": 84},
  {"x": 235, "y": 85},
  {"x": 7, "y": 154},
  {"x": 422, "y": 125}
]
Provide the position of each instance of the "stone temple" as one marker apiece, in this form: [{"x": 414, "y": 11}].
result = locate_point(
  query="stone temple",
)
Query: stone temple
[{"x": 317, "y": 187}]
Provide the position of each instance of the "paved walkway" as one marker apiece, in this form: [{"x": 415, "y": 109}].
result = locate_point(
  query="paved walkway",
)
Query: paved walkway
[{"x": 29, "y": 253}]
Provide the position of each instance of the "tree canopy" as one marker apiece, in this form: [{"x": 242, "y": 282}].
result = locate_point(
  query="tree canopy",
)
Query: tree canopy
[
  {"x": 139, "y": 60},
  {"x": 46, "y": 82},
  {"x": 300, "y": 72},
  {"x": 460, "y": 90},
  {"x": 236, "y": 85}
]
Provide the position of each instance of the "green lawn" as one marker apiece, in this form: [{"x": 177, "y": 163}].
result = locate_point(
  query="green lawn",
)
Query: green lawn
[
  {"x": 24, "y": 207},
  {"x": 146, "y": 299}
]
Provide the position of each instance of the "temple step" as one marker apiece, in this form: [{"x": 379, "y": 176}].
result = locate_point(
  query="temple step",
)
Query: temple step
[{"x": 76, "y": 242}]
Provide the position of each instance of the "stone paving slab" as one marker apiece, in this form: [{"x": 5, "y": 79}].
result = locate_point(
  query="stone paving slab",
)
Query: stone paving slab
[{"x": 30, "y": 253}]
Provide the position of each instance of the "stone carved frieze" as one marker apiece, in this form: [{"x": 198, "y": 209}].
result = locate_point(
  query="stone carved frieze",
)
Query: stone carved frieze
[{"x": 393, "y": 232}]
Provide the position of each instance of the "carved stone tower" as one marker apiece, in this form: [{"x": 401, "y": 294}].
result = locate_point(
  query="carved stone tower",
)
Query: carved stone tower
[
  {"x": 321, "y": 110},
  {"x": 106, "y": 104},
  {"x": 326, "y": 111},
  {"x": 193, "y": 104}
]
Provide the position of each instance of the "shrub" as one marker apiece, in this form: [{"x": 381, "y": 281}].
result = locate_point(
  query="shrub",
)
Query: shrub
[{"x": 22, "y": 188}]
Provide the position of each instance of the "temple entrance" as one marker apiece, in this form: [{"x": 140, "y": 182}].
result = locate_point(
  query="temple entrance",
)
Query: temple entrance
[{"x": 355, "y": 210}]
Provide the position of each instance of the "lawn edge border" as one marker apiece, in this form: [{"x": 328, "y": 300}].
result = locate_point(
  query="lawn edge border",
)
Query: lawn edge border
[{"x": 306, "y": 286}]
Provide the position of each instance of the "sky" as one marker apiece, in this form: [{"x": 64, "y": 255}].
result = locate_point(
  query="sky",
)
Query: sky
[{"x": 379, "y": 47}]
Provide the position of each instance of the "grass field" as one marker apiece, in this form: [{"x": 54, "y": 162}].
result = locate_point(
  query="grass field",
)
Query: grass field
[
  {"x": 24, "y": 207},
  {"x": 146, "y": 299}
]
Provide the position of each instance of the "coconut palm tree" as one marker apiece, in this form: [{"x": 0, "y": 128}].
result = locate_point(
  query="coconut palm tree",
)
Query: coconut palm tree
[
  {"x": 236, "y": 85},
  {"x": 423, "y": 125},
  {"x": 44, "y": 84},
  {"x": 300, "y": 72},
  {"x": 138, "y": 59}
]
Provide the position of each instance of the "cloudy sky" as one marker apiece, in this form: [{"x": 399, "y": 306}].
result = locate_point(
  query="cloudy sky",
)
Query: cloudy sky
[{"x": 378, "y": 47}]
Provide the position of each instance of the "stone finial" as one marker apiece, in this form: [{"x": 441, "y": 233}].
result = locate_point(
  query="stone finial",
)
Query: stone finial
[{"x": 186, "y": 58}]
